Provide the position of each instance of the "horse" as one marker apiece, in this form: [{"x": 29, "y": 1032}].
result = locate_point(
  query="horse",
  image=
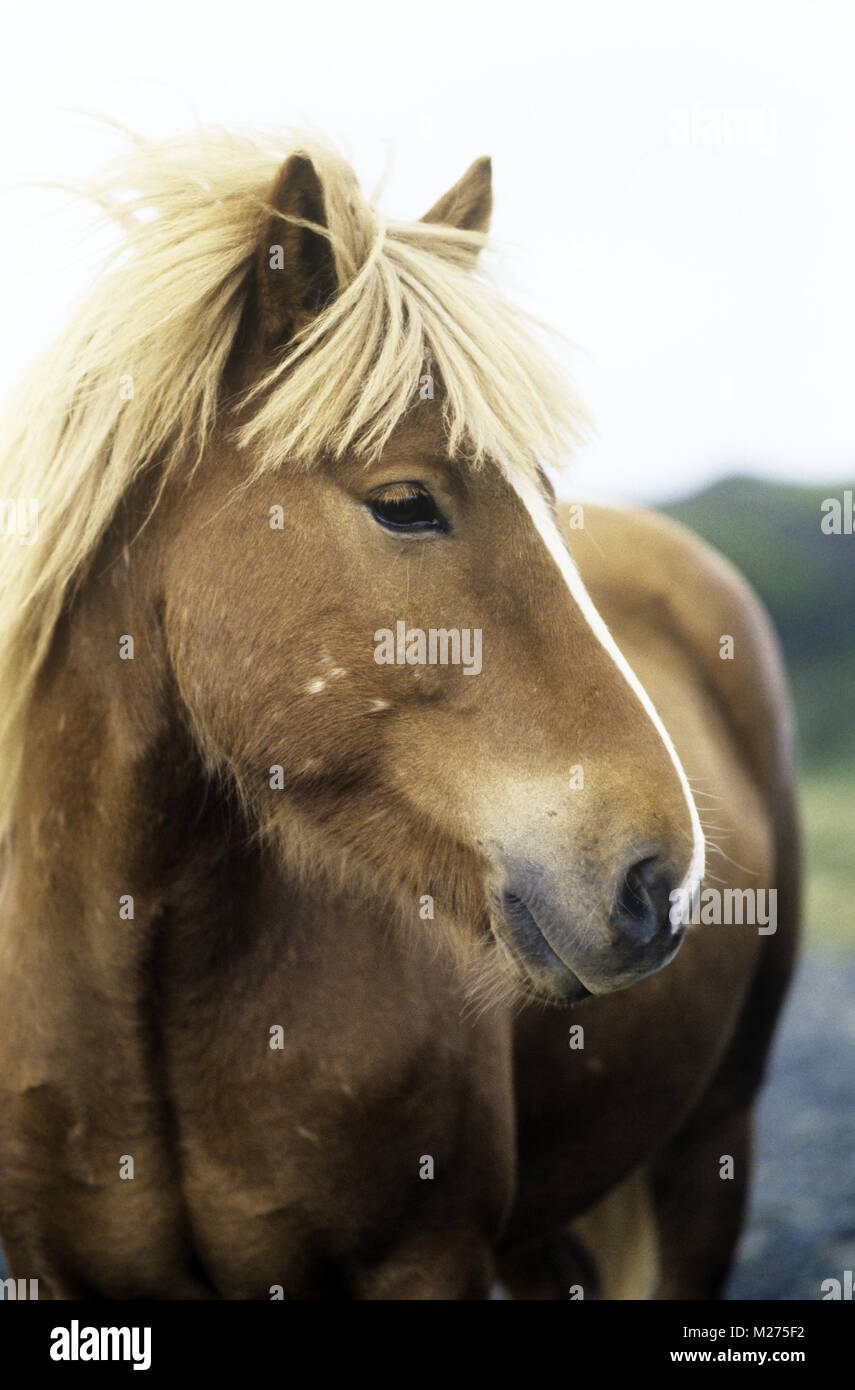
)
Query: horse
[{"x": 334, "y": 964}]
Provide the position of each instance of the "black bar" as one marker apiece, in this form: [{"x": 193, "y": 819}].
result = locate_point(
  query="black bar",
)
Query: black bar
[{"x": 308, "y": 1340}]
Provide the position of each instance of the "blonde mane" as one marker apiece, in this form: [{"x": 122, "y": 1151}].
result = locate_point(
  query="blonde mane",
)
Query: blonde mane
[{"x": 138, "y": 375}]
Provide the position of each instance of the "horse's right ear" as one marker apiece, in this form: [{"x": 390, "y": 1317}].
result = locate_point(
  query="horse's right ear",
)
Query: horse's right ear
[
  {"x": 295, "y": 266},
  {"x": 469, "y": 204}
]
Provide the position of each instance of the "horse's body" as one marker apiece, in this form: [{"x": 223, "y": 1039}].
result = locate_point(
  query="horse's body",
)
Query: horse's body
[{"x": 314, "y": 1095}]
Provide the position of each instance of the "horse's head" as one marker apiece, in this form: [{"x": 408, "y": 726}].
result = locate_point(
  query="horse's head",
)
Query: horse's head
[{"x": 393, "y": 654}]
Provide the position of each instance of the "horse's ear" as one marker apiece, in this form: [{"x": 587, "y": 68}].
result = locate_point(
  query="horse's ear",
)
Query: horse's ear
[
  {"x": 295, "y": 266},
  {"x": 469, "y": 203}
]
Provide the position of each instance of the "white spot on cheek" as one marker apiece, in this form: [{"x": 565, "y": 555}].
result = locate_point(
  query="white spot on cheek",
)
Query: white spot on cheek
[
  {"x": 379, "y": 704},
  {"x": 320, "y": 682},
  {"x": 534, "y": 503}
]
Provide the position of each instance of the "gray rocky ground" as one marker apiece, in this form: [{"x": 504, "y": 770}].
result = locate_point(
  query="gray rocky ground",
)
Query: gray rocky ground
[{"x": 801, "y": 1227}]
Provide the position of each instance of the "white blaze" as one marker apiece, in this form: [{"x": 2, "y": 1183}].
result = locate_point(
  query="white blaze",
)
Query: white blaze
[{"x": 536, "y": 506}]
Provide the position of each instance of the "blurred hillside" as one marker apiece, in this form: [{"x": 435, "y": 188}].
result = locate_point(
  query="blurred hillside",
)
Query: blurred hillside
[{"x": 806, "y": 579}]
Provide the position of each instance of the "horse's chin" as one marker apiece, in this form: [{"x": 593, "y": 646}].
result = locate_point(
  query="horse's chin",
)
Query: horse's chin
[
  {"x": 539, "y": 973},
  {"x": 560, "y": 993}
]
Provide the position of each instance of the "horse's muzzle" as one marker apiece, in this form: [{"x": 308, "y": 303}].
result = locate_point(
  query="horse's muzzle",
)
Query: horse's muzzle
[{"x": 571, "y": 940}]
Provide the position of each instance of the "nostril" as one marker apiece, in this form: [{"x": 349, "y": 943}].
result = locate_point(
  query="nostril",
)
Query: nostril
[
  {"x": 643, "y": 900},
  {"x": 634, "y": 898}
]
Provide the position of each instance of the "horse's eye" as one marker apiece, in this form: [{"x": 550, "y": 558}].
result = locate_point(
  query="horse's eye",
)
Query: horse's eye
[{"x": 406, "y": 507}]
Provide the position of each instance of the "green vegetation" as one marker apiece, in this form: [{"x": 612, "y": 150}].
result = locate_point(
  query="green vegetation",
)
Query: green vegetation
[
  {"x": 806, "y": 579},
  {"x": 829, "y": 849}
]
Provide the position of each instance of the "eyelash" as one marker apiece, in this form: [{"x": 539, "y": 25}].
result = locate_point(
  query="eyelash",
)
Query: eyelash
[{"x": 417, "y": 510}]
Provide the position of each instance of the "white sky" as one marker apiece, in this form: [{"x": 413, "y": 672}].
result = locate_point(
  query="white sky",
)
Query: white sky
[{"x": 674, "y": 183}]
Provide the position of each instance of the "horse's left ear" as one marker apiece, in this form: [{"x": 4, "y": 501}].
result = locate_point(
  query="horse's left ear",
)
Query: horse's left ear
[
  {"x": 295, "y": 266},
  {"x": 469, "y": 203}
]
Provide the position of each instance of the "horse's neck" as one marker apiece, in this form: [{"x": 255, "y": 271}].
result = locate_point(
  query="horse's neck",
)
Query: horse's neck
[
  {"x": 121, "y": 838},
  {"x": 113, "y": 817}
]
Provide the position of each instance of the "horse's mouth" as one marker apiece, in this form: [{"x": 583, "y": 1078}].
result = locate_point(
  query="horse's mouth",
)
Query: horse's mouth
[{"x": 546, "y": 975}]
